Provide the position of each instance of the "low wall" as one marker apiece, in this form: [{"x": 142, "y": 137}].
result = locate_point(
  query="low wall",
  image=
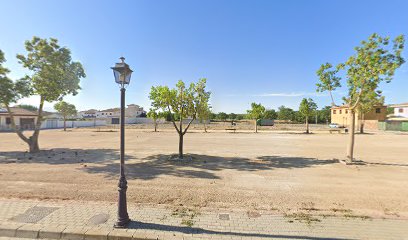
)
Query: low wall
[
  {"x": 371, "y": 124},
  {"x": 393, "y": 126},
  {"x": 51, "y": 124}
]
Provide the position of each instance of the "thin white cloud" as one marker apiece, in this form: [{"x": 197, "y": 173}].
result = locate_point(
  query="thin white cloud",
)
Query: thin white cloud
[{"x": 292, "y": 94}]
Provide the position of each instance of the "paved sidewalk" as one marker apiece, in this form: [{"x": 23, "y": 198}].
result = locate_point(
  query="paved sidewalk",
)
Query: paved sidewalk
[{"x": 94, "y": 220}]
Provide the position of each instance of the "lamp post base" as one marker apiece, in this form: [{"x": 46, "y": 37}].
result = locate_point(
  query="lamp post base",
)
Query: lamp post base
[{"x": 121, "y": 223}]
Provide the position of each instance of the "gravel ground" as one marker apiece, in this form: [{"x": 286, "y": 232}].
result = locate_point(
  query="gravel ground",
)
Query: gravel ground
[{"x": 270, "y": 171}]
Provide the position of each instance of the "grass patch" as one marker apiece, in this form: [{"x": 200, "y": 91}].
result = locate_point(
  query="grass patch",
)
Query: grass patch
[
  {"x": 187, "y": 215},
  {"x": 341, "y": 210},
  {"x": 187, "y": 222},
  {"x": 354, "y": 216},
  {"x": 302, "y": 217}
]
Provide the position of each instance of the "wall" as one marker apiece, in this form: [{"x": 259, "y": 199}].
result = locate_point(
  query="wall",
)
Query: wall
[
  {"x": 393, "y": 126},
  {"x": 342, "y": 116},
  {"x": 371, "y": 125},
  {"x": 342, "y": 119},
  {"x": 7, "y": 127},
  {"x": 403, "y": 114},
  {"x": 51, "y": 124},
  {"x": 373, "y": 115}
]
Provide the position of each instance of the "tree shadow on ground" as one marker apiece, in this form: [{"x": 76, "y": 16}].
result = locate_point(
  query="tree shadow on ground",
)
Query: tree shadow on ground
[
  {"x": 61, "y": 156},
  {"x": 196, "y": 230},
  {"x": 203, "y": 166},
  {"x": 384, "y": 164}
]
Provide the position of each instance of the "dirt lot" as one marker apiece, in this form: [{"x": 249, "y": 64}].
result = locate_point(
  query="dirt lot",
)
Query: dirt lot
[{"x": 268, "y": 171}]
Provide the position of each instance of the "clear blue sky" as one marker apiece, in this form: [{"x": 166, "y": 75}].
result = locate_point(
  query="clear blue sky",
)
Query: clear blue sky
[{"x": 250, "y": 51}]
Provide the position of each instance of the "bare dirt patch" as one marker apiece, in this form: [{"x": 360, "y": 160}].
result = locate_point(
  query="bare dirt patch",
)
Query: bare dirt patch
[{"x": 268, "y": 171}]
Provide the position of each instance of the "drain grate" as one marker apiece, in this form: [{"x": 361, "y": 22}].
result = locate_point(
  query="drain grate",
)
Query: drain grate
[
  {"x": 98, "y": 219},
  {"x": 224, "y": 216},
  {"x": 34, "y": 214}
]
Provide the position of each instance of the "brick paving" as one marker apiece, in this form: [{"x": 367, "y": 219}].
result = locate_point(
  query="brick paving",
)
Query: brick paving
[{"x": 94, "y": 220}]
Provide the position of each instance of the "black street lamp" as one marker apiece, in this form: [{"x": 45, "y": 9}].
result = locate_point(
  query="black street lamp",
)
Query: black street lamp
[{"x": 122, "y": 74}]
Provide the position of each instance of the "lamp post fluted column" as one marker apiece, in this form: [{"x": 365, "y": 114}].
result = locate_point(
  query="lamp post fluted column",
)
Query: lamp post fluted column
[
  {"x": 122, "y": 74},
  {"x": 123, "y": 217}
]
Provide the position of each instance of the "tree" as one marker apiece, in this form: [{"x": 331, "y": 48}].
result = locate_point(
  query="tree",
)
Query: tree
[
  {"x": 201, "y": 102},
  {"x": 328, "y": 80},
  {"x": 66, "y": 110},
  {"x": 11, "y": 91},
  {"x": 374, "y": 62},
  {"x": 324, "y": 115},
  {"x": 53, "y": 75},
  {"x": 180, "y": 101},
  {"x": 222, "y": 116},
  {"x": 256, "y": 112},
  {"x": 204, "y": 114},
  {"x": 155, "y": 115},
  {"x": 307, "y": 108},
  {"x": 367, "y": 103},
  {"x": 240, "y": 116},
  {"x": 270, "y": 114},
  {"x": 232, "y": 116},
  {"x": 285, "y": 113}
]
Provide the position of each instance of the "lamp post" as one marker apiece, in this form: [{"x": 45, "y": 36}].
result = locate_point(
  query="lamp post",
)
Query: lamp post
[{"x": 122, "y": 74}]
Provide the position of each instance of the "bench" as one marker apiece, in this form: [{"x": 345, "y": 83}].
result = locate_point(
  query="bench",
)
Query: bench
[
  {"x": 334, "y": 130},
  {"x": 231, "y": 129}
]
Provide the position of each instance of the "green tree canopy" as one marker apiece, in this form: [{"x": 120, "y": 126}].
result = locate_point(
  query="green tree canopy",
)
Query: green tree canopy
[
  {"x": 232, "y": 116},
  {"x": 270, "y": 114},
  {"x": 66, "y": 110},
  {"x": 222, "y": 116},
  {"x": 307, "y": 108},
  {"x": 256, "y": 112},
  {"x": 154, "y": 114},
  {"x": 285, "y": 113},
  {"x": 182, "y": 101},
  {"x": 374, "y": 61},
  {"x": 328, "y": 80},
  {"x": 53, "y": 75}
]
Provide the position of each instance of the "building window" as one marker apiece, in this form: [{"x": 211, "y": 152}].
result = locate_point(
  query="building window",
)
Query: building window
[
  {"x": 8, "y": 120},
  {"x": 346, "y": 111},
  {"x": 400, "y": 110},
  {"x": 378, "y": 110},
  {"x": 334, "y": 111},
  {"x": 340, "y": 111}
]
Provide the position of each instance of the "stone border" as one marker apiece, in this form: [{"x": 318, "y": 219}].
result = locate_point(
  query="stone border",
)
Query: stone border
[{"x": 29, "y": 230}]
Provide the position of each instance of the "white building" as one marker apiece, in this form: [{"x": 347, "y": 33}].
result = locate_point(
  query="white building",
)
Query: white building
[
  {"x": 24, "y": 119},
  {"x": 134, "y": 110},
  {"x": 108, "y": 113},
  {"x": 91, "y": 113},
  {"x": 400, "y": 110}
]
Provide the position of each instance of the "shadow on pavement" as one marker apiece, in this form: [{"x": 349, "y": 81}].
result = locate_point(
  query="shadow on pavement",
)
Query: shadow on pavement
[
  {"x": 203, "y": 166},
  {"x": 195, "y": 230}
]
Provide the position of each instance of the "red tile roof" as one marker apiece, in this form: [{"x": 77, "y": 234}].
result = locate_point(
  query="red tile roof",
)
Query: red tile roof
[{"x": 17, "y": 112}]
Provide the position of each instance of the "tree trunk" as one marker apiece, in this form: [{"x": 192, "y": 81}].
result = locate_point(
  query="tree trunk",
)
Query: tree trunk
[
  {"x": 33, "y": 145},
  {"x": 205, "y": 127},
  {"x": 33, "y": 140},
  {"x": 65, "y": 124},
  {"x": 350, "y": 150},
  {"x": 362, "y": 124},
  {"x": 181, "y": 135},
  {"x": 332, "y": 99},
  {"x": 256, "y": 125},
  {"x": 155, "y": 126},
  {"x": 307, "y": 125},
  {"x": 181, "y": 145}
]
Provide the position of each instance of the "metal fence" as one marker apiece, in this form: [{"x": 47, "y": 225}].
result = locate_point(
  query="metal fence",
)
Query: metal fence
[{"x": 393, "y": 126}]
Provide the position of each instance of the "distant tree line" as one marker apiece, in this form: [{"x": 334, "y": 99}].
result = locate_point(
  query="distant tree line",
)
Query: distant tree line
[{"x": 283, "y": 113}]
